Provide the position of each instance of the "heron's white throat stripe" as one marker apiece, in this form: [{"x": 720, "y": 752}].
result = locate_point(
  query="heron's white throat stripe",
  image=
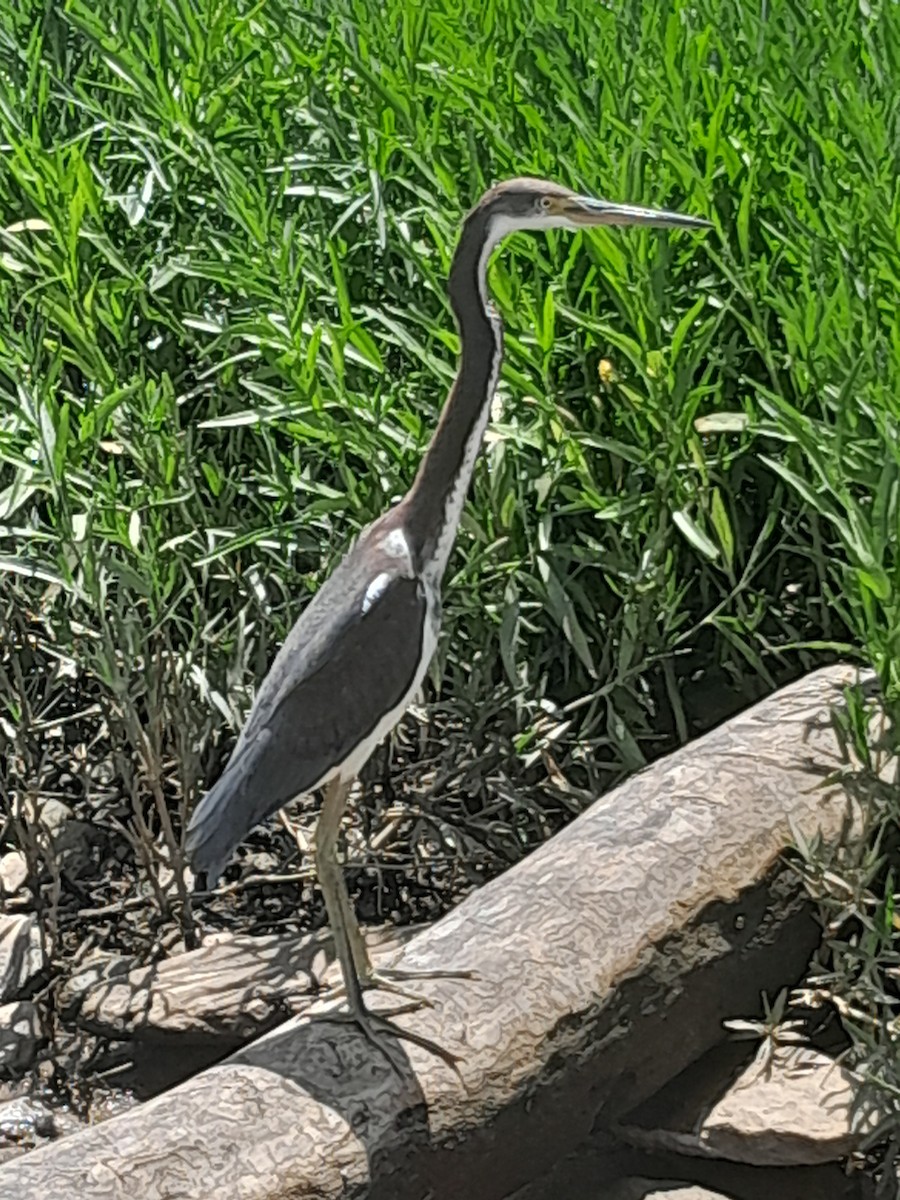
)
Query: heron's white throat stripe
[{"x": 498, "y": 228}]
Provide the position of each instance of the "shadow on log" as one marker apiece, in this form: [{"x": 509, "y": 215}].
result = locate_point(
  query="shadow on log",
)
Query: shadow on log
[
  {"x": 185, "y": 1013},
  {"x": 604, "y": 964}
]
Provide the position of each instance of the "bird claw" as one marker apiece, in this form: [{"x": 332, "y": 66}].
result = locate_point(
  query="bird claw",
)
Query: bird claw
[
  {"x": 377, "y": 982},
  {"x": 371, "y": 1025}
]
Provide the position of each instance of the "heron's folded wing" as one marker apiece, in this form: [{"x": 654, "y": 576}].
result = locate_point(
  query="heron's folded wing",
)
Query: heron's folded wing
[{"x": 366, "y": 667}]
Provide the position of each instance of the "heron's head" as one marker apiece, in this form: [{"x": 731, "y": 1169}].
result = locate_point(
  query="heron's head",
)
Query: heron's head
[{"x": 537, "y": 204}]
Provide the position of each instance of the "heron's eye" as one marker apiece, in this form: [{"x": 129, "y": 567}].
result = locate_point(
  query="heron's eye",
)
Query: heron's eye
[{"x": 544, "y": 203}]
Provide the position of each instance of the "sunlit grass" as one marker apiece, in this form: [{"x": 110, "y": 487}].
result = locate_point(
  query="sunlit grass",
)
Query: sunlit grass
[{"x": 224, "y": 239}]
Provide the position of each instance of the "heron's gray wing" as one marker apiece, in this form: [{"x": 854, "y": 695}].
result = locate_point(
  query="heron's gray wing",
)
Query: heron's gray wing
[{"x": 364, "y": 666}]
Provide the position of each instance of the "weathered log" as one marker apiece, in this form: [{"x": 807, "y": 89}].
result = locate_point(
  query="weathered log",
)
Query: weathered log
[
  {"x": 586, "y": 997},
  {"x": 639, "y": 1175},
  {"x": 791, "y": 1106},
  {"x": 186, "y": 1012},
  {"x": 233, "y": 987}
]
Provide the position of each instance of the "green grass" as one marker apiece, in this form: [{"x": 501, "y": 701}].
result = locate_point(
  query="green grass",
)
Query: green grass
[{"x": 224, "y": 340}]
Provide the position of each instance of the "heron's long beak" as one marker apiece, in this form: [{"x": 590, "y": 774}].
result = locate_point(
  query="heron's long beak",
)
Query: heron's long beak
[{"x": 583, "y": 210}]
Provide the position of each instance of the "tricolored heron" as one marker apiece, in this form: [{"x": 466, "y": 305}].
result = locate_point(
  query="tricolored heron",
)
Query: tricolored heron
[{"x": 358, "y": 653}]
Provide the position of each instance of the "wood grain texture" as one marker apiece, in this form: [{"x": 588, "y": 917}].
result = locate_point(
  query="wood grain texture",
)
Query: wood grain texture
[
  {"x": 793, "y": 1107},
  {"x": 230, "y": 989},
  {"x": 310, "y": 1110}
]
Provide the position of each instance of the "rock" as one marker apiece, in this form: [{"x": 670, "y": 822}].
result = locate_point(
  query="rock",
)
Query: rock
[
  {"x": 795, "y": 1107},
  {"x": 658, "y": 1189},
  {"x": 21, "y": 954},
  {"x": 26, "y": 1123},
  {"x": 51, "y": 815},
  {"x": 69, "y": 840},
  {"x": 234, "y": 986},
  {"x": 20, "y": 1032},
  {"x": 13, "y": 872},
  {"x": 106, "y": 1104},
  {"x": 25, "y": 1118},
  {"x": 601, "y": 966},
  {"x": 261, "y": 862}
]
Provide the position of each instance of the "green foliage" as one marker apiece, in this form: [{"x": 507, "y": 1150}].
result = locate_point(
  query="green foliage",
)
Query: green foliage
[{"x": 224, "y": 340}]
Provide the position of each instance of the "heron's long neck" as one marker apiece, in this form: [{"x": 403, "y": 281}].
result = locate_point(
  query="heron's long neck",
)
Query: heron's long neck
[{"x": 435, "y": 501}]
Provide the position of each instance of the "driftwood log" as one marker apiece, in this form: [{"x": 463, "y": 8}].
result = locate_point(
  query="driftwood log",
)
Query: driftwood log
[
  {"x": 232, "y": 988},
  {"x": 604, "y": 963}
]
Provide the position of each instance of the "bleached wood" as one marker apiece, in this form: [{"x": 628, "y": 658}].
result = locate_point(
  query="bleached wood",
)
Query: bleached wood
[{"x": 311, "y": 1110}]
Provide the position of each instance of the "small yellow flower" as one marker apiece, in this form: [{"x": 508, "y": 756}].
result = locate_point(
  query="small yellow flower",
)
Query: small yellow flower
[{"x": 607, "y": 372}]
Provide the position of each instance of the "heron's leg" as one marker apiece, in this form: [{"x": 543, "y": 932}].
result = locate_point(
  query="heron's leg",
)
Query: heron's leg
[
  {"x": 341, "y": 918},
  {"x": 348, "y": 940},
  {"x": 337, "y": 899},
  {"x": 385, "y": 978}
]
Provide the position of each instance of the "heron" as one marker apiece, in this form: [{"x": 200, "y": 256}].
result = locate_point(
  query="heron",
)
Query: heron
[{"x": 358, "y": 653}]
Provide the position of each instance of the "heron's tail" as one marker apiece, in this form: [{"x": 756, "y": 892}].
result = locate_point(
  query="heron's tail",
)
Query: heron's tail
[
  {"x": 219, "y": 823},
  {"x": 262, "y": 776}
]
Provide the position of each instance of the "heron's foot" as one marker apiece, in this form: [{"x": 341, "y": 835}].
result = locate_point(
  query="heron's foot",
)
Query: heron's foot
[
  {"x": 382, "y": 1033},
  {"x": 391, "y": 979},
  {"x": 374, "y": 981}
]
